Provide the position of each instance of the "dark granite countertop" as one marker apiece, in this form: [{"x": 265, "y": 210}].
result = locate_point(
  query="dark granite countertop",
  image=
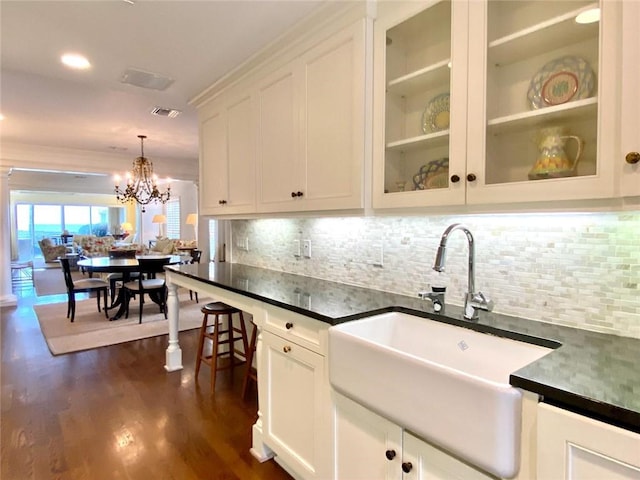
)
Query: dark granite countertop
[{"x": 591, "y": 373}]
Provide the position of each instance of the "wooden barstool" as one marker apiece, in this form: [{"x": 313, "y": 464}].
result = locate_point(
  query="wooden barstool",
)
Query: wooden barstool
[
  {"x": 217, "y": 333},
  {"x": 251, "y": 373}
]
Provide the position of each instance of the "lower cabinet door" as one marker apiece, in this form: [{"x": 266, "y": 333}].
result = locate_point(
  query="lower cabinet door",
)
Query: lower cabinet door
[
  {"x": 423, "y": 461},
  {"x": 574, "y": 447},
  {"x": 367, "y": 446},
  {"x": 297, "y": 416}
]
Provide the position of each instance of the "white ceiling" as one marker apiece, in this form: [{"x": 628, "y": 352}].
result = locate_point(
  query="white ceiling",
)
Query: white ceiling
[{"x": 193, "y": 42}]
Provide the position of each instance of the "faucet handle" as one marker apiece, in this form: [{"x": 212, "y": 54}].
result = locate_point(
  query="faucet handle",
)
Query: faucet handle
[{"x": 481, "y": 301}]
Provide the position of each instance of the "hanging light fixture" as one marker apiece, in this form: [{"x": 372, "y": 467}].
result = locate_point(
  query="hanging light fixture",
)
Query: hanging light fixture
[{"x": 141, "y": 184}]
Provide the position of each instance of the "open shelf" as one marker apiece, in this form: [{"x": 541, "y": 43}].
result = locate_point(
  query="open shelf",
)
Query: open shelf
[
  {"x": 432, "y": 140},
  {"x": 421, "y": 80}
]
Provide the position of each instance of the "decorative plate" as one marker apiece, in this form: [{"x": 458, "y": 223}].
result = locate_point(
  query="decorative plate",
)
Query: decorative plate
[
  {"x": 434, "y": 174},
  {"x": 436, "y": 114},
  {"x": 562, "y": 80}
]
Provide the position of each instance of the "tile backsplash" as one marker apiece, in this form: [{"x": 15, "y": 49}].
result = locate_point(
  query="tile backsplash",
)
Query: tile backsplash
[{"x": 579, "y": 269}]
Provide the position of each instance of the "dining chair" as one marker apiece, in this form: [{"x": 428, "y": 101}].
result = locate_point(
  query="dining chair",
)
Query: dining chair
[
  {"x": 195, "y": 258},
  {"x": 116, "y": 277},
  {"x": 148, "y": 283},
  {"x": 83, "y": 285}
]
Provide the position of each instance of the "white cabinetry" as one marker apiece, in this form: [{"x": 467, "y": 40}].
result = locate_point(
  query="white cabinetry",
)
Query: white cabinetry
[
  {"x": 312, "y": 128},
  {"x": 490, "y": 131},
  {"x": 573, "y": 447},
  {"x": 629, "y": 156},
  {"x": 227, "y": 156},
  {"x": 368, "y": 446},
  {"x": 294, "y": 393}
]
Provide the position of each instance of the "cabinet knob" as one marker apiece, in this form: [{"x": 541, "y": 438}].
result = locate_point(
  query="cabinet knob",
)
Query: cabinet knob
[
  {"x": 632, "y": 158},
  {"x": 299, "y": 194},
  {"x": 390, "y": 454},
  {"x": 471, "y": 177},
  {"x": 455, "y": 178},
  {"x": 407, "y": 467},
  {"x": 286, "y": 349},
  {"x": 289, "y": 325},
  {"x": 222, "y": 202},
  {"x": 293, "y": 195}
]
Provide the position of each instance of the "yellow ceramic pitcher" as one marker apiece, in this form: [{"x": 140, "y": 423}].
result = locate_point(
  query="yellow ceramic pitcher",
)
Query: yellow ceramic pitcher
[{"x": 553, "y": 161}]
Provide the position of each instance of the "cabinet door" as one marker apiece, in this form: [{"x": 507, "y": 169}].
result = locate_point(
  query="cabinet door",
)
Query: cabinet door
[
  {"x": 630, "y": 77},
  {"x": 213, "y": 162},
  {"x": 420, "y": 108},
  {"x": 573, "y": 447},
  {"x": 367, "y": 446},
  {"x": 296, "y": 418},
  {"x": 227, "y": 158},
  {"x": 278, "y": 159},
  {"x": 543, "y": 101},
  {"x": 430, "y": 463},
  {"x": 240, "y": 156},
  {"x": 333, "y": 121}
]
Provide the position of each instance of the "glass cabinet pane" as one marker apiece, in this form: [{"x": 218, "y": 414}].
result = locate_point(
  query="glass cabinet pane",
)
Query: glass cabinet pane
[
  {"x": 541, "y": 91},
  {"x": 418, "y": 75}
]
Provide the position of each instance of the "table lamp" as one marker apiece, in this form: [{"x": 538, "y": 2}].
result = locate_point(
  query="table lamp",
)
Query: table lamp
[
  {"x": 159, "y": 219},
  {"x": 192, "y": 219}
]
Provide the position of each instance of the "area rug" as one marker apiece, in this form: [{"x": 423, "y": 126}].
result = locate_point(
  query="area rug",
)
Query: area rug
[
  {"x": 51, "y": 281},
  {"x": 91, "y": 329}
]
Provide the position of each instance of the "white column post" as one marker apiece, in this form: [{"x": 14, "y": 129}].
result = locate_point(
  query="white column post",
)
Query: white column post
[
  {"x": 174, "y": 353},
  {"x": 7, "y": 298}
]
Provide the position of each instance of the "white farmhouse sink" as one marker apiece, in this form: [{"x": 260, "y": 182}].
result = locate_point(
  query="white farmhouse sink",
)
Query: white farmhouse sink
[{"x": 448, "y": 384}]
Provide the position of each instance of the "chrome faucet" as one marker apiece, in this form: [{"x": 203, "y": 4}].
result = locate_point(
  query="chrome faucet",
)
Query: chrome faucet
[{"x": 473, "y": 301}]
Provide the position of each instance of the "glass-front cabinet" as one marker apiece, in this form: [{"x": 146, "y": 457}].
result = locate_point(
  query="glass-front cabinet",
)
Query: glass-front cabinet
[{"x": 496, "y": 102}]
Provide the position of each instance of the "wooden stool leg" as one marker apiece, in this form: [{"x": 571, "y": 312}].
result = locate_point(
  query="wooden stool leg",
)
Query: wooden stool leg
[
  {"x": 203, "y": 329},
  {"x": 250, "y": 373},
  {"x": 214, "y": 353},
  {"x": 243, "y": 332}
]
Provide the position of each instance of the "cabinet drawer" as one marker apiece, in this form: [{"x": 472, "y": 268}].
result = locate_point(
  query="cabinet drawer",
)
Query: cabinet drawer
[{"x": 296, "y": 328}]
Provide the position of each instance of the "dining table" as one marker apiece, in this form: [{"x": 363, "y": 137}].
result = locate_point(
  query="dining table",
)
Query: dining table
[{"x": 125, "y": 266}]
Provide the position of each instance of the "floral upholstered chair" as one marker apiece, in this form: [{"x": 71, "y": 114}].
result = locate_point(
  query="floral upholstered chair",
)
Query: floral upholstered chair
[{"x": 51, "y": 252}]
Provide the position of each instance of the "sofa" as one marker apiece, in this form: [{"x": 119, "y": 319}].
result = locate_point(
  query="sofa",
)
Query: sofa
[
  {"x": 168, "y": 246},
  {"x": 50, "y": 251},
  {"x": 92, "y": 246}
]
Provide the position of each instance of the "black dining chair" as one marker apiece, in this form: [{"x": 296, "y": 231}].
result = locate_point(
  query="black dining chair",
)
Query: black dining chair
[
  {"x": 148, "y": 283},
  {"x": 195, "y": 258},
  {"x": 83, "y": 285},
  {"x": 116, "y": 277}
]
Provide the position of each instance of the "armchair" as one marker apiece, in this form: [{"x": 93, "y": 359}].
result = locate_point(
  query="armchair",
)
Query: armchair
[{"x": 51, "y": 252}]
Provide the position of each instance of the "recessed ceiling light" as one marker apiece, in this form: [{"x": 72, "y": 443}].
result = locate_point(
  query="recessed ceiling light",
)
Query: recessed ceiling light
[
  {"x": 74, "y": 60},
  {"x": 588, "y": 16}
]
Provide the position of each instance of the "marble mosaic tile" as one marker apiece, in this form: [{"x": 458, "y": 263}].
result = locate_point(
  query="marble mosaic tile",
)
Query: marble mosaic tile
[{"x": 580, "y": 270}]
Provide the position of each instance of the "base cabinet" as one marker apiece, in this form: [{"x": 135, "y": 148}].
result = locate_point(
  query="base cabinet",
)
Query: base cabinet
[
  {"x": 295, "y": 405},
  {"x": 368, "y": 446},
  {"x": 574, "y": 447}
]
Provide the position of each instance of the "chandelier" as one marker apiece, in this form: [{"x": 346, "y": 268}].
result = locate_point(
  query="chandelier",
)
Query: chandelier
[{"x": 141, "y": 184}]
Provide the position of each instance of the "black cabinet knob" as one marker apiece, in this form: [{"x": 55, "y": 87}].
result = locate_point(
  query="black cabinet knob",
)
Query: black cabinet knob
[
  {"x": 406, "y": 467},
  {"x": 471, "y": 177},
  {"x": 222, "y": 202},
  {"x": 455, "y": 178},
  {"x": 289, "y": 325},
  {"x": 390, "y": 454},
  {"x": 299, "y": 194},
  {"x": 293, "y": 195}
]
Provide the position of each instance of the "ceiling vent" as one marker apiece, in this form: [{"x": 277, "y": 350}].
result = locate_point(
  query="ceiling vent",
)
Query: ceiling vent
[
  {"x": 165, "y": 112},
  {"x": 139, "y": 78}
]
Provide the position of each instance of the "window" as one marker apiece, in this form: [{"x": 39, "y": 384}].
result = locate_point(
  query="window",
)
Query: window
[{"x": 173, "y": 218}]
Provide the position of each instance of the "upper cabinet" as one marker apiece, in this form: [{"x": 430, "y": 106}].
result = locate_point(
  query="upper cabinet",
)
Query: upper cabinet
[
  {"x": 311, "y": 138},
  {"x": 227, "y": 164},
  {"x": 629, "y": 155},
  {"x": 496, "y": 102},
  {"x": 291, "y": 134}
]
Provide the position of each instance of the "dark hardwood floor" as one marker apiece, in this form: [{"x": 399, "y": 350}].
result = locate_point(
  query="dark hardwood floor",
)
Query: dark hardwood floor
[{"x": 115, "y": 413}]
